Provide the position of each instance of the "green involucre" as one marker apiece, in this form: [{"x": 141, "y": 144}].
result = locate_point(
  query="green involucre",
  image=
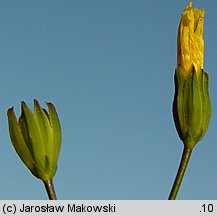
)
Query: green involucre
[
  {"x": 191, "y": 106},
  {"x": 36, "y": 138}
]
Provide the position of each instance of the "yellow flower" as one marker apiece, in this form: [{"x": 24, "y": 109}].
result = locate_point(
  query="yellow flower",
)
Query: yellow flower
[
  {"x": 190, "y": 41},
  {"x": 191, "y": 106}
]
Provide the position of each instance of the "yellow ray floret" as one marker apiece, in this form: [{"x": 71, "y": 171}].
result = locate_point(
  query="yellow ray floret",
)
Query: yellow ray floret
[{"x": 190, "y": 41}]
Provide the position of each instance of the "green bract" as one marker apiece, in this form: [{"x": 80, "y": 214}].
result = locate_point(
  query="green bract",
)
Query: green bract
[
  {"x": 191, "y": 106},
  {"x": 36, "y": 138}
]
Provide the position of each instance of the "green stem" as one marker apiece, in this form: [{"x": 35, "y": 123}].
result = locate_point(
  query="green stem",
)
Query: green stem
[
  {"x": 181, "y": 171},
  {"x": 50, "y": 189}
]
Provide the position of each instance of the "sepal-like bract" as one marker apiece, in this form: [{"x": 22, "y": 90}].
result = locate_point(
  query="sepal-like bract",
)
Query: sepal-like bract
[
  {"x": 191, "y": 106},
  {"x": 36, "y": 138}
]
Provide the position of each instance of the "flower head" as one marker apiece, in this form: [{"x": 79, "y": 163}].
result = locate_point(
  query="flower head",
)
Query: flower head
[
  {"x": 36, "y": 138},
  {"x": 190, "y": 41},
  {"x": 191, "y": 105}
]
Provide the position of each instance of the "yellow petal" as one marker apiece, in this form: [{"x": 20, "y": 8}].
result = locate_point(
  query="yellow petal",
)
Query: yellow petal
[{"x": 190, "y": 50}]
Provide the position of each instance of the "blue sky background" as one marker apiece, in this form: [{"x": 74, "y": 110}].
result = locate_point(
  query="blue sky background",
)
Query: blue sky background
[{"x": 108, "y": 67}]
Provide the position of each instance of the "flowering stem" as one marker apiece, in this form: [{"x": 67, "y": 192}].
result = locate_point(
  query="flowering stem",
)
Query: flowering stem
[
  {"x": 181, "y": 171},
  {"x": 50, "y": 189}
]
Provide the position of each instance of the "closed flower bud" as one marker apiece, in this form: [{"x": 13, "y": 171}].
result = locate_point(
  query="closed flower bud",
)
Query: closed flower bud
[
  {"x": 36, "y": 137},
  {"x": 191, "y": 106}
]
